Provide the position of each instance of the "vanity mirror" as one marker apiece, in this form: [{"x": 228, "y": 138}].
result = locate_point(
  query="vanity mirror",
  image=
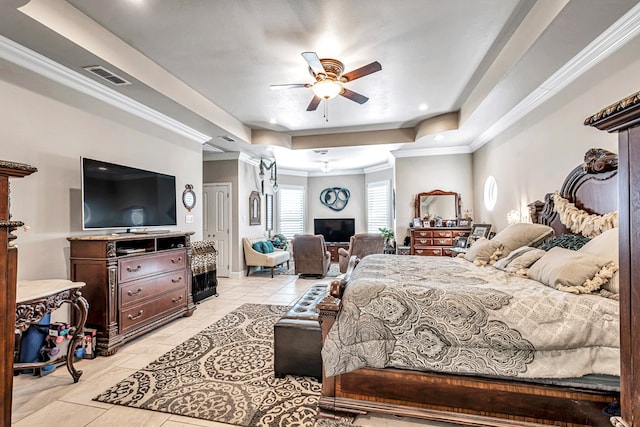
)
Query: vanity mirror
[{"x": 444, "y": 204}]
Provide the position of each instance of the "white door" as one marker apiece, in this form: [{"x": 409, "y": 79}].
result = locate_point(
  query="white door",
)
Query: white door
[{"x": 217, "y": 211}]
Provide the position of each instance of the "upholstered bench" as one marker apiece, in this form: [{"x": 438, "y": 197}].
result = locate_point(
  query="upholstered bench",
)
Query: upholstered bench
[{"x": 297, "y": 337}]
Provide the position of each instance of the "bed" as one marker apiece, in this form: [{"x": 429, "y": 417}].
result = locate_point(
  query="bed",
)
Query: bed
[{"x": 453, "y": 340}]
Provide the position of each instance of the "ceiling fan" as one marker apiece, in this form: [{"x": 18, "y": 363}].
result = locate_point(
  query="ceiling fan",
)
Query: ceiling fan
[{"x": 330, "y": 80}]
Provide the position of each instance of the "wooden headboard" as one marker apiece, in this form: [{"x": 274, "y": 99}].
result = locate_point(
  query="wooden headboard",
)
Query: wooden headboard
[{"x": 591, "y": 186}]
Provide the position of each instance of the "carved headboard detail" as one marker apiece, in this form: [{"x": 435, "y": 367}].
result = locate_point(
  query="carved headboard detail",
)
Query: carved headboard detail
[{"x": 591, "y": 186}]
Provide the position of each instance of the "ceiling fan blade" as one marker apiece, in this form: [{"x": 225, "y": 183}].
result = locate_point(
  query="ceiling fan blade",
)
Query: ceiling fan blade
[
  {"x": 289, "y": 86},
  {"x": 362, "y": 71},
  {"x": 314, "y": 62},
  {"x": 354, "y": 96},
  {"x": 314, "y": 103}
]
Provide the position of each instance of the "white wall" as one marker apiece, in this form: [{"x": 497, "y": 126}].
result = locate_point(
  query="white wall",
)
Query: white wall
[
  {"x": 534, "y": 156},
  {"x": 356, "y": 207},
  {"x": 420, "y": 174},
  {"x": 51, "y": 129}
]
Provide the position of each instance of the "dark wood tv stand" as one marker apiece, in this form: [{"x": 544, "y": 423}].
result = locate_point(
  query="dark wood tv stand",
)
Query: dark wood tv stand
[{"x": 134, "y": 283}]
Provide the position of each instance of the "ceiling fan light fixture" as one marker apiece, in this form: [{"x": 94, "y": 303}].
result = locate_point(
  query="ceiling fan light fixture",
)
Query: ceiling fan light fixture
[{"x": 327, "y": 89}]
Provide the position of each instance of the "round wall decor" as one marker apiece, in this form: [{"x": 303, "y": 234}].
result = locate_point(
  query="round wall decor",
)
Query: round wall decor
[
  {"x": 188, "y": 197},
  {"x": 335, "y": 198}
]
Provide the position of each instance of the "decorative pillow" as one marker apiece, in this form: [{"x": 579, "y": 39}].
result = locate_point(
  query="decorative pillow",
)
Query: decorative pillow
[
  {"x": 483, "y": 251},
  {"x": 258, "y": 247},
  {"x": 522, "y": 234},
  {"x": 520, "y": 260},
  {"x": 268, "y": 247},
  {"x": 606, "y": 246},
  {"x": 572, "y": 271},
  {"x": 567, "y": 241}
]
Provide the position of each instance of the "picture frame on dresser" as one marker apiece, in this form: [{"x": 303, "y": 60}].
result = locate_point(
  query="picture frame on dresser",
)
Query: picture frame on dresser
[
  {"x": 480, "y": 230},
  {"x": 460, "y": 242},
  {"x": 464, "y": 222},
  {"x": 417, "y": 222}
]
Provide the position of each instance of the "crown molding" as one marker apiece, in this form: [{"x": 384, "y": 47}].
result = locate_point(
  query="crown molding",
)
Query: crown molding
[
  {"x": 39, "y": 64},
  {"x": 437, "y": 151},
  {"x": 615, "y": 37}
]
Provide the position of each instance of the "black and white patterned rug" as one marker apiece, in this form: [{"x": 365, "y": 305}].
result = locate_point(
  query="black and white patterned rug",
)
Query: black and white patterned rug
[{"x": 225, "y": 374}]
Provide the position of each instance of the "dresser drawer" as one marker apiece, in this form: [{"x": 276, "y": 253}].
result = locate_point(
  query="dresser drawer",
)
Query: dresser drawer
[
  {"x": 460, "y": 234},
  {"x": 140, "y": 266},
  {"x": 422, "y": 233},
  {"x": 143, "y": 313},
  {"x": 136, "y": 292},
  {"x": 428, "y": 251},
  {"x": 422, "y": 242},
  {"x": 443, "y": 233},
  {"x": 442, "y": 242}
]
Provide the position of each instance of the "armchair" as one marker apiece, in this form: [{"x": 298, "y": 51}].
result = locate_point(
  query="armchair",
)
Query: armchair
[
  {"x": 360, "y": 245},
  {"x": 310, "y": 255}
]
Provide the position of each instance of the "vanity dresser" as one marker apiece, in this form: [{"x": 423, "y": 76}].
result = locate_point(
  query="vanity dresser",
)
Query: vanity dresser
[
  {"x": 436, "y": 241},
  {"x": 440, "y": 210}
]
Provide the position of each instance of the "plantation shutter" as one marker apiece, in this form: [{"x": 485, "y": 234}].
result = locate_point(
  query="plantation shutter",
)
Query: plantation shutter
[
  {"x": 378, "y": 206},
  {"x": 291, "y": 210}
]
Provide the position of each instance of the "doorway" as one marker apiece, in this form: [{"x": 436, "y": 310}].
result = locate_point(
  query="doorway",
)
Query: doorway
[{"x": 216, "y": 224}]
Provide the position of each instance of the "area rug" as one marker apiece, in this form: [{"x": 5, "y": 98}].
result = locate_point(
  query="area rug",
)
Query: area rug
[
  {"x": 225, "y": 374},
  {"x": 334, "y": 271}
]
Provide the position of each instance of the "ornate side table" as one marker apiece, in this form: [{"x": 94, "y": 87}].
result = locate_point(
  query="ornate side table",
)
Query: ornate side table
[{"x": 35, "y": 299}]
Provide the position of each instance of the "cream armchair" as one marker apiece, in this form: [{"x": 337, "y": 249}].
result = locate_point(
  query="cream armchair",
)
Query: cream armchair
[
  {"x": 360, "y": 245},
  {"x": 254, "y": 258}
]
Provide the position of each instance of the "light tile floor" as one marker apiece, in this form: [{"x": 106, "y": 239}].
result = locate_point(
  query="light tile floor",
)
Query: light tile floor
[{"x": 55, "y": 400}]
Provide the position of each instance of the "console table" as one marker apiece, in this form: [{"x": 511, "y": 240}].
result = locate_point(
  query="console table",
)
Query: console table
[
  {"x": 35, "y": 299},
  {"x": 135, "y": 283}
]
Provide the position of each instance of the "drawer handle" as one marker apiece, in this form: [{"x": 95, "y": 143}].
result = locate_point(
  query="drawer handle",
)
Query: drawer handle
[
  {"x": 134, "y": 293},
  {"x": 178, "y": 280},
  {"x": 436, "y": 252},
  {"x": 139, "y": 315},
  {"x": 175, "y": 261},
  {"x": 176, "y": 300},
  {"x": 134, "y": 269}
]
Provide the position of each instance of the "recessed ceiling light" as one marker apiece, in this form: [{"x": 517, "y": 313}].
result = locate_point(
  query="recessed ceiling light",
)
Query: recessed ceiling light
[
  {"x": 439, "y": 137},
  {"x": 423, "y": 107}
]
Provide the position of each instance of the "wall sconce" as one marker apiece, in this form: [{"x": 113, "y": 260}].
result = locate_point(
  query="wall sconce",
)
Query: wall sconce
[{"x": 273, "y": 178}]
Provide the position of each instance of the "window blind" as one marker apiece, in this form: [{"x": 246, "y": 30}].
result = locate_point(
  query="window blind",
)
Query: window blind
[
  {"x": 378, "y": 206},
  {"x": 291, "y": 210}
]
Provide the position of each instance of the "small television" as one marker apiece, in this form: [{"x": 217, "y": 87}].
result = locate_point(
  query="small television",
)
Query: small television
[
  {"x": 334, "y": 230},
  {"x": 117, "y": 196}
]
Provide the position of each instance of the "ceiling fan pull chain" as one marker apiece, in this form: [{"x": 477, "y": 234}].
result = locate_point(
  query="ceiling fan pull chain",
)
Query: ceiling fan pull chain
[{"x": 326, "y": 111}]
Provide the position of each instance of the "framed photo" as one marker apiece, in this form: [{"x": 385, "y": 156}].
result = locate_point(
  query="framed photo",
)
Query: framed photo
[
  {"x": 480, "y": 230},
  {"x": 464, "y": 222},
  {"x": 460, "y": 242},
  {"x": 417, "y": 222}
]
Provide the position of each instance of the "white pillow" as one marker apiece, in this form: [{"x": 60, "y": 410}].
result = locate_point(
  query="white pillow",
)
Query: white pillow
[{"x": 606, "y": 246}]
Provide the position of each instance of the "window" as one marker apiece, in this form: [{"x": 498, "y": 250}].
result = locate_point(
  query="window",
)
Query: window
[
  {"x": 291, "y": 210},
  {"x": 378, "y": 206}
]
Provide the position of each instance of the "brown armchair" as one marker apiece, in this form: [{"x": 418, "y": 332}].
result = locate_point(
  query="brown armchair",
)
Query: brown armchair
[
  {"x": 361, "y": 245},
  {"x": 310, "y": 255}
]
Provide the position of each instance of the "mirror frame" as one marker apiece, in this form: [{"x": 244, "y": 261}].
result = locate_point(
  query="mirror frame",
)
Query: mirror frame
[
  {"x": 254, "y": 208},
  {"x": 457, "y": 202}
]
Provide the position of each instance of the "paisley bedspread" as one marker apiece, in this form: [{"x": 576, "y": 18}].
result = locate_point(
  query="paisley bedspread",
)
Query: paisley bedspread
[{"x": 448, "y": 315}]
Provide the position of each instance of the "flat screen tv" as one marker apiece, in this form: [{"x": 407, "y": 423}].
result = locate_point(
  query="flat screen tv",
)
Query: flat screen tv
[
  {"x": 117, "y": 196},
  {"x": 334, "y": 230}
]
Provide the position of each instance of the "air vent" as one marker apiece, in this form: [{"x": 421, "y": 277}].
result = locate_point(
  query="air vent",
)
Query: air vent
[
  {"x": 227, "y": 138},
  {"x": 110, "y": 76}
]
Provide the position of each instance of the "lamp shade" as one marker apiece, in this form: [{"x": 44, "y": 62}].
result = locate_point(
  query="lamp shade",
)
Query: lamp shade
[{"x": 327, "y": 89}]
